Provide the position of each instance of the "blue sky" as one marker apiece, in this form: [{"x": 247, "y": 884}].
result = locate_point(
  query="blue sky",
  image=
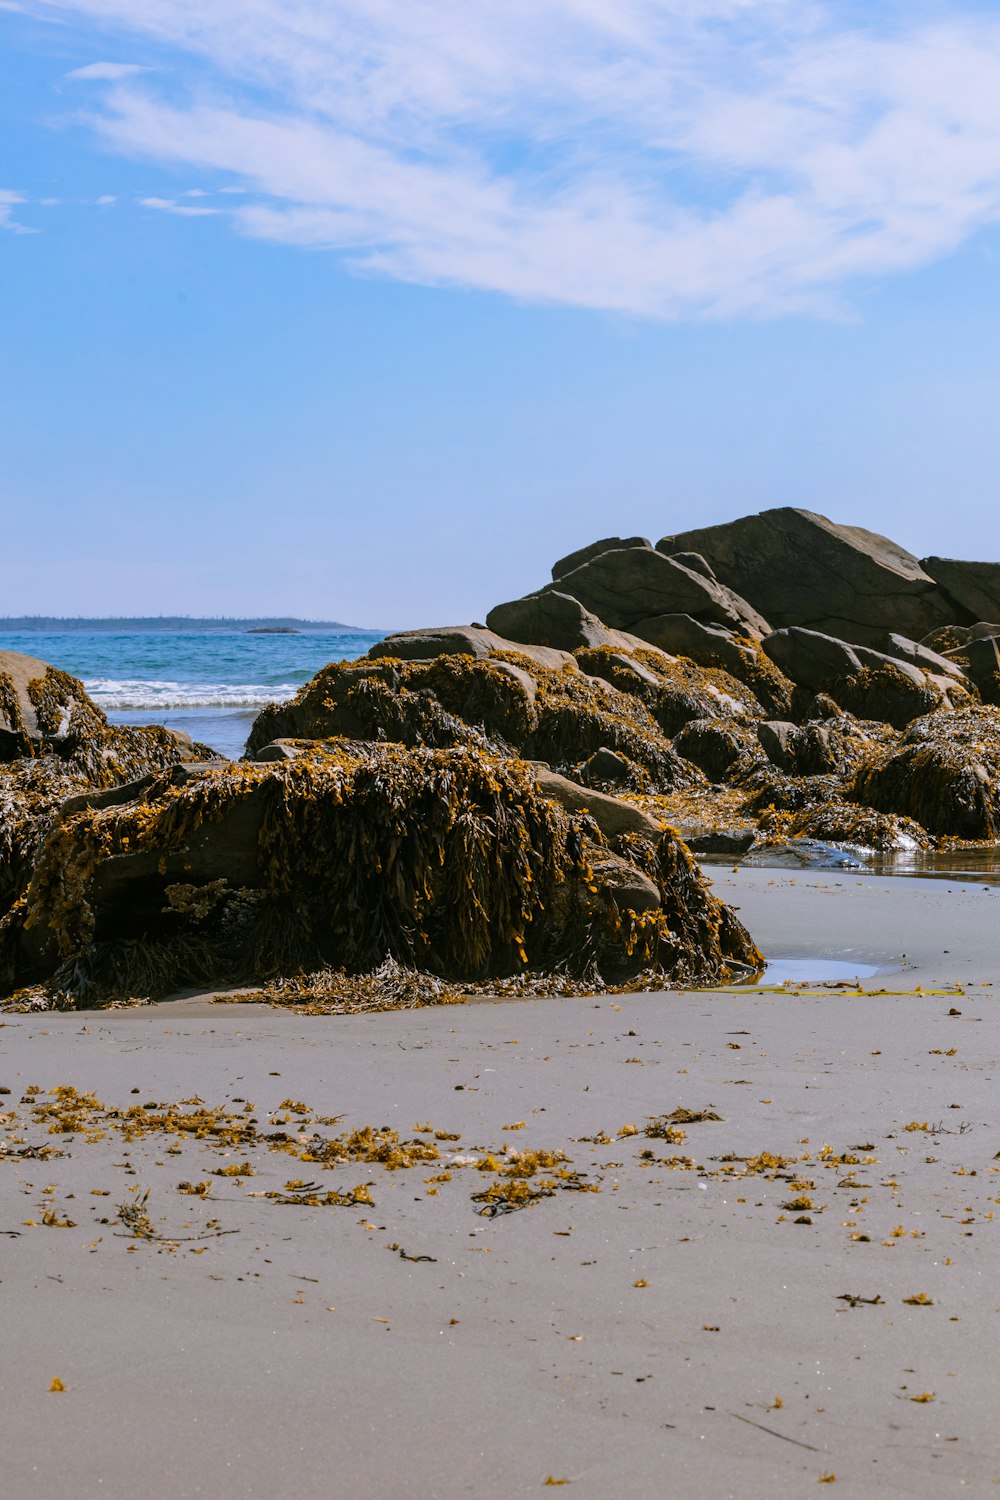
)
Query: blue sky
[{"x": 372, "y": 310}]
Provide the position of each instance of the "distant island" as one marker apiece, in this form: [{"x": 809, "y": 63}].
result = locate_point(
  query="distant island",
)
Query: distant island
[{"x": 266, "y": 623}]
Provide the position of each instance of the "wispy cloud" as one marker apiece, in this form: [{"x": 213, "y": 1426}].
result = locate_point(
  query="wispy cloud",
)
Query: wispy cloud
[
  {"x": 9, "y": 202},
  {"x": 171, "y": 206},
  {"x": 106, "y": 72},
  {"x": 662, "y": 158}
]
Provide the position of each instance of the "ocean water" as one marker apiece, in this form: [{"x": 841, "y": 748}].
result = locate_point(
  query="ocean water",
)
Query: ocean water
[{"x": 212, "y": 684}]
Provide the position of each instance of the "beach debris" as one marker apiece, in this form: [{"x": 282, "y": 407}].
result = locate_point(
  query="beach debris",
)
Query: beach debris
[{"x": 312, "y": 1195}]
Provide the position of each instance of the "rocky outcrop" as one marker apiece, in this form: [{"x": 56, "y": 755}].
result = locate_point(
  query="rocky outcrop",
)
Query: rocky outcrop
[
  {"x": 798, "y": 568},
  {"x": 452, "y": 862},
  {"x": 627, "y": 585}
]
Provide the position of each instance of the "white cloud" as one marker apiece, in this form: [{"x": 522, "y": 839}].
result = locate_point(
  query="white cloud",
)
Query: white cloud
[
  {"x": 663, "y": 158},
  {"x": 171, "y": 206},
  {"x": 9, "y": 202},
  {"x": 106, "y": 72},
  {"x": 107, "y": 198}
]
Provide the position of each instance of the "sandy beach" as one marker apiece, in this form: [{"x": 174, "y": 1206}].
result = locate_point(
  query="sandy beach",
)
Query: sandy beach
[{"x": 681, "y": 1331}]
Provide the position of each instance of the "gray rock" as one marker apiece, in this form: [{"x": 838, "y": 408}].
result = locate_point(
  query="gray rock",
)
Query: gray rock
[
  {"x": 901, "y": 648},
  {"x": 700, "y": 641},
  {"x": 809, "y": 657},
  {"x": 584, "y": 554},
  {"x": 778, "y": 740},
  {"x": 553, "y": 619},
  {"x": 974, "y": 586},
  {"x": 983, "y": 658},
  {"x": 464, "y": 640},
  {"x": 696, "y": 563},
  {"x": 798, "y": 568},
  {"x": 626, "y": 885},
  {"x": 612, "y": 816},
  {"x": 607, "y": 767},
  {"x": 624, "y": 586},
  {"x": 722, "y": 841}
]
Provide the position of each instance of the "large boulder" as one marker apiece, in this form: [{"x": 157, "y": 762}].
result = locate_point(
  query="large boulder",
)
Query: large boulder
[
  {"x": 462, "y": 640},
  {"x": 554, "y": 619},
  {"x": 584, "y": 554},
  {"x": 452, "y": 862},
  {"x": 974, "y": 586},
  {"x": 798, "y": 568},
  {"x": 626, "y": 585}
]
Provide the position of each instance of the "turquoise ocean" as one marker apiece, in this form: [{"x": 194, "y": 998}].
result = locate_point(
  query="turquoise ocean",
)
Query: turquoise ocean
[{"x": 210, "y": 683}]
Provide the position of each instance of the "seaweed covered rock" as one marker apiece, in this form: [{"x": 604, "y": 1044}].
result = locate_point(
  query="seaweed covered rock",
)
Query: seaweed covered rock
[
  {"x": 449, "y": 861},
  {"x": 673, "y": 691},
  {"x": 68, "y": 749},
  {"x": 503, "y": 705},
  {"x": 713, "y": 645},
  {"x": 716, "y": 746},
  {"x": 464, "y": 640},
  {"x": 896, "y": 693},
  {"x": 42, "y": 709},
  {"x": 945, "y": 775}
]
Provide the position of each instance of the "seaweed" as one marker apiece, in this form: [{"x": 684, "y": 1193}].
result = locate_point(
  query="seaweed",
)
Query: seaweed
[{"x": 446, "y": 862}]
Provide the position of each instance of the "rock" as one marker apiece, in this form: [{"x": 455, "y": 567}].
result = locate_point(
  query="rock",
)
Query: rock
[
  {"x": 716, "y": 646},
  {"x": 696, "y": 563},
  {"x": 809, "y": 657},
  {"x": 982, "y": 663},
  {"x": 811, "y": 854},
  {"x": 253, "y": 873},
  {"x": 974, "y": 586},
  {"x": 465, "y": 640},
  {"x": 673, "y": 691},
  {"x": 896, "y": 693},
  {"x": 716, "y": 745},
  {"x": 945, "y": 775},
  {"x": 816, "y": 749},
  {"x": 41, "y": 707},
  {"x": 612, "y": 816},
  {"x": 951, "y": 638},
  {"x": 628, "y": 887},
  {"x": 798, "y": 568},
  {"x": 608, "y": 768},
  {"x": 624, "y": 586},
  {"x": 722, "y": 841},
  {"x": 901, "y": 648},
  {"x": 584, "y": 554},
  {"x": 702, "y": 641},
  {"x": 553, "y": 619}
]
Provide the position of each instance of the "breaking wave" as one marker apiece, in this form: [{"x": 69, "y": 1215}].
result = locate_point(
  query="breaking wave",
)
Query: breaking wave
[{"x": 112, "y": 693}]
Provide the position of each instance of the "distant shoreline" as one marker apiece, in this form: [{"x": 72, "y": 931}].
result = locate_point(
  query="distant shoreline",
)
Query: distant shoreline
[{"x": 49, "y": 623}]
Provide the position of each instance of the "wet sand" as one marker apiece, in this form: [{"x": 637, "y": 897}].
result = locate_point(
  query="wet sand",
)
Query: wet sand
[{"x": 678, "y": 1334}]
